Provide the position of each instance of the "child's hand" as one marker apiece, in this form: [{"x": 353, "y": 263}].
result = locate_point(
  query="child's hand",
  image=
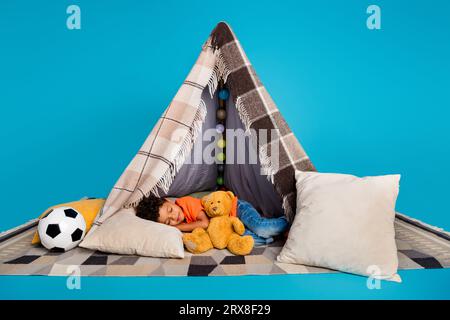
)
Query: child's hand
[{"x": 188, "y": 227}]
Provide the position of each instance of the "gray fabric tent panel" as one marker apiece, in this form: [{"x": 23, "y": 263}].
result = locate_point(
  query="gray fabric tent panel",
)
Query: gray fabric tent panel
[
  {"x": 246, "y": 180},
  {"x": 197, "y": 176}
]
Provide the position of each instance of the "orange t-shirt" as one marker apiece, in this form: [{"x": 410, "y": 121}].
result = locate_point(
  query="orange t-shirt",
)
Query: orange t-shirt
[{"x": 192, "y": 206}]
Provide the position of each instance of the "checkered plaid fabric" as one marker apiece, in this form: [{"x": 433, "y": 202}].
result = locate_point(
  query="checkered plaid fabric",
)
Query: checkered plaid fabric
[
  {"x": 165, "y": 149},
  {"x": 258, "y": 111}
]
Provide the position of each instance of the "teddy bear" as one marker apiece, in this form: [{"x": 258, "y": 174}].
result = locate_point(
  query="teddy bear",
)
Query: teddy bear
[{"x": 223, "y": 231}]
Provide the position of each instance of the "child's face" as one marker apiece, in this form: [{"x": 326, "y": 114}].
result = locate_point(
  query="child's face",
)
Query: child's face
[{"x": 170, "y": 214}]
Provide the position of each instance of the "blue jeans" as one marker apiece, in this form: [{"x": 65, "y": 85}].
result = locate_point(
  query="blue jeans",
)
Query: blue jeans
[{"x": 261, "y": 229}]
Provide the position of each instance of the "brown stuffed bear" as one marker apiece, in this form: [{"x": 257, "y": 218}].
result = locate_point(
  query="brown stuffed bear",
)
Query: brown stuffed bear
[{"x": 223, "y": 231}]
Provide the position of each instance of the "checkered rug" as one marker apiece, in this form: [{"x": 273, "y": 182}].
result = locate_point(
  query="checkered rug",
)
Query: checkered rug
[{"x": 419, "y": 247}]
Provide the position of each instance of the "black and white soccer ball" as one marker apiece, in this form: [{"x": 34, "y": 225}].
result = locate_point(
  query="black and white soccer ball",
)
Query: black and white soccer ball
[{"x": 62, "y": 229}]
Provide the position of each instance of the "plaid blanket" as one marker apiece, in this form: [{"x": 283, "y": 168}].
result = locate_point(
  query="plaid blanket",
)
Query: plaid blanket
[
  {"x": 258, "y": 111},
  {"x": 164, "y": 151},
  {"x": 166, "y": 148}
]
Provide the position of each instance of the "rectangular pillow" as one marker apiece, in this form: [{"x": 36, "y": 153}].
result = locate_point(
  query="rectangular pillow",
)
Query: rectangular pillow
[
  {"x": 88, "y": 208},
  {"x": 345, "y": 223},
  {"x": 124, "y": 233}
]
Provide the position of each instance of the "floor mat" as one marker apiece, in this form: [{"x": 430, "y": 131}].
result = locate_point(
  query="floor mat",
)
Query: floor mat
[{"x": 419, "y": 247}]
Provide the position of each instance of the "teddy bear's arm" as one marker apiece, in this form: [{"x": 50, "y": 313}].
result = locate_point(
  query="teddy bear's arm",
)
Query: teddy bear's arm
[{"x": 238, "y": 226}]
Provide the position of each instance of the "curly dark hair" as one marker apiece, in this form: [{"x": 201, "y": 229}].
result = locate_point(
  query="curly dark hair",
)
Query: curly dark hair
[{"x": 148, "y": 208}]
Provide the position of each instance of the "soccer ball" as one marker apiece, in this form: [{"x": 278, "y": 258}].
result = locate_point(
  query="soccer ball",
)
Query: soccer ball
[{"x": 61, "y": 229}]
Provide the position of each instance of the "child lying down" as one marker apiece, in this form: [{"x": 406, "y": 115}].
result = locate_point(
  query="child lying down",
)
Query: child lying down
[{"x": 187, "y": 213}]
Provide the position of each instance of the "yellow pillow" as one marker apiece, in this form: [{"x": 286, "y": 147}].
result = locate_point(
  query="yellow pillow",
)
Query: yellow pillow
[{"x": 87, "y": 207}]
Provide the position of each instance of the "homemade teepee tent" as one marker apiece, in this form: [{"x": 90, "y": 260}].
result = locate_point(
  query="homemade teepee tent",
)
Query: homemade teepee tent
[{"x": 161, "y": 167}]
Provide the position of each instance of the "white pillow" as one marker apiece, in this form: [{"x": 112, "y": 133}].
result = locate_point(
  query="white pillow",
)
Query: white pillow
[
  {"x": 125, "y": 233},
  {"x": 345, "y": 223}
]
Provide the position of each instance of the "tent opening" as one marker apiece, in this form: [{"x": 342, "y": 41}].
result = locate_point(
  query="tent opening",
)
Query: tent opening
[{"x": 244, "y": 179}]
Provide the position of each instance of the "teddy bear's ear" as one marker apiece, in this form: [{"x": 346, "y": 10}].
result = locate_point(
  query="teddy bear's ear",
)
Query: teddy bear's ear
[
  {"x": 230, "y": 194},
  {"x": 205, "y": 199}
]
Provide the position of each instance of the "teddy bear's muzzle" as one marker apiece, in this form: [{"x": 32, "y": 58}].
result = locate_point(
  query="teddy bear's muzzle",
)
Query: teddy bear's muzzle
[{"x": 216, "y": 211}]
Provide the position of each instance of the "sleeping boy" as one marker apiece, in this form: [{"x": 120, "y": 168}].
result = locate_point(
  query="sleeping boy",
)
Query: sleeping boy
[{"x": 187, "y": 213}]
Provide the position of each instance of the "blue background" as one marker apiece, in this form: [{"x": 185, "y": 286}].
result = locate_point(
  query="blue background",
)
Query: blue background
[{"x": 77, "y": 104}]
